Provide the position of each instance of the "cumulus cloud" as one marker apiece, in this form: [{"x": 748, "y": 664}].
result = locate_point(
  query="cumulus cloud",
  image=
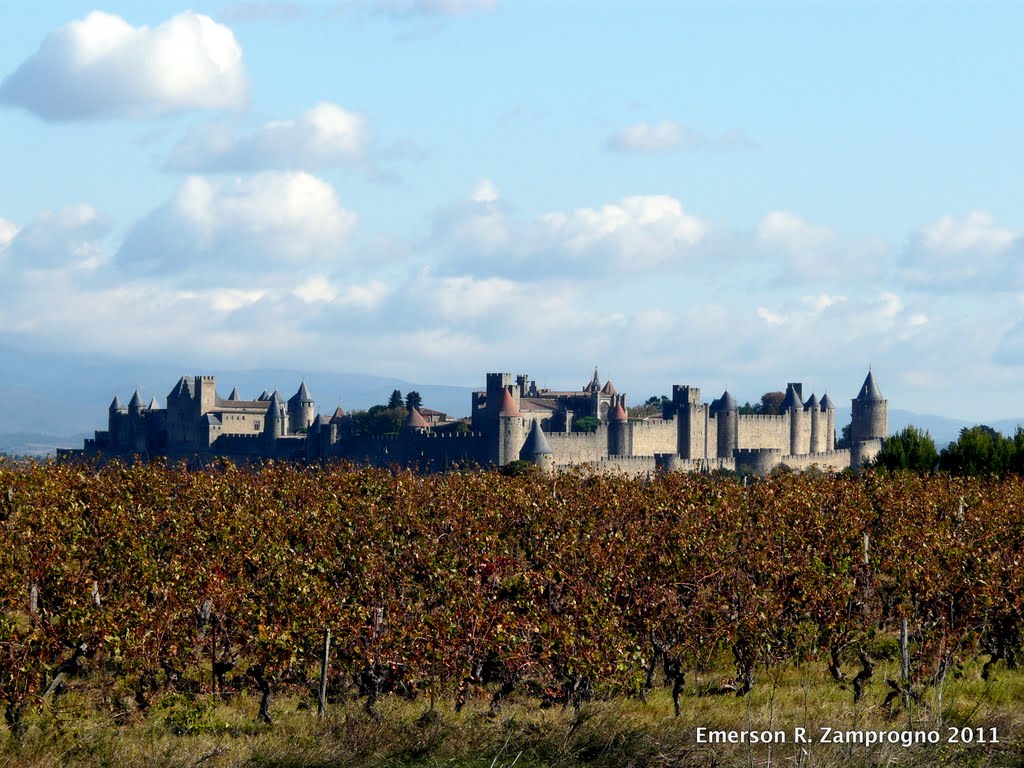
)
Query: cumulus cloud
[
  {"x": 68, "y": 237},
  {"x": 268, "y": 222},
  {"x": 101, "y": 66},
  {"x": 635, "y": 232},
  {"x": 972, "y": 253},
  {"x": 669, "y": 136},
  {"x": 805, "y": 252},
  {"x": 326, "y": 135}
]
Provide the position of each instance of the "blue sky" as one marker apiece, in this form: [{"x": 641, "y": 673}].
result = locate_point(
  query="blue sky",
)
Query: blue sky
[{"x": 726, "y": 194}]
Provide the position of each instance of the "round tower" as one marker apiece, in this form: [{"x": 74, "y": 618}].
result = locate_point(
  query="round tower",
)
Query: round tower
[
  {"x": 300, "y": 409},
  {"x": 828, "y": 411},
  {"x": 537, "y": 449},
  {"x": 274, "y": 426},
  {"x": 870, "y": 413},
  {"x": 728, "y": 418},
  {"x": 793, "y": 407},
  {"x": 511, "y": 429},
  {"x": 415, "y": 423},
  {"x": 619, "y": 443},
  {"x": 813, "y": 409},
  {"x": 117, "y": 416}
]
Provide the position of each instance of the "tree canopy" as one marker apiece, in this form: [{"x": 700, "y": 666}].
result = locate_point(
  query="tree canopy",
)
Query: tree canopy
[
  {"x": 981, "y": 450},
  {"x": 395, "y": 401},
  {"x": 911, "y": 448}
]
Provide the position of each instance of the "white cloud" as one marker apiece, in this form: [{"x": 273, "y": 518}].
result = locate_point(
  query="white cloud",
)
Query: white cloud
[
  {"x": 772, "y": 318},
  {"x": 963, "y": 255},
  {"x": 787, "y": 231},
  {"x": 267, "y": 222},
  {"x": 669, "y": 136},
  {"x": 485, "y": 191},
  {"x": 404, "y": 8},
  {"x": 638, "y": 231},
  {"x": 803, "y": 252},
  {"x": 231, "y": 299},
  {"x": 266, "y": 10},
  {"x": 8, "y": 230},
  {"x": 101, "y": 66},
  {"x": 974, "y": 234},
  {"x": 326, "y": 135},
  {"x": 822, "y": 301},
  {"x": 68, "y": 237}
]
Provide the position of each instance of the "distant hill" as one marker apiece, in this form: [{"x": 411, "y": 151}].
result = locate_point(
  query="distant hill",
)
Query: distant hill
[{"x": 54, "y": 401}]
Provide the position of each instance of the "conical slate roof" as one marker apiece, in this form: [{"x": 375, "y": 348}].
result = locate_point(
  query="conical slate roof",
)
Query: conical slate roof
[
  {"x": 302, "y": 396},
  {"x": 812, "y": 403},
  {"x": 115, "y": 404},
  {"x": 791, "y": 401},
  {"x": 727, "y": 402},
  {"x": 869, "y": 391},
  {"x": 415, "y": 420},
  {"x": 826, "y": 403},
  {"x": 183, "y": 388},
  {"x": 153, "y": 405},
  {"x": 234, "y": 394},
  {"x": 264, "y": 397},
  {"x": 274, "y": 411},
  {"x": 508, "y": 405},
  {"x": 618, "y": 413},
  {"x": 536, "y": 444},
  {"x": 136, "y": 402},
  {"x": 277, "y": 396}
]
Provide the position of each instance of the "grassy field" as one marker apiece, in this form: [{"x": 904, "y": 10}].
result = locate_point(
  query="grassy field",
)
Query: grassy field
[{"x": 92, "y": 724}]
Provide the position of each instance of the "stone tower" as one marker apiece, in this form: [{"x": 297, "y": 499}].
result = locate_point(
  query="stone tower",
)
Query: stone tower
[
  {"x": 813, "y": 409},
  {"x": 619, "y": 435},
  {"x": 870, "y": 412},
  {"x": 511, "y": 429},
  {"x": 793, "y": 405},
  {"x": 728, "y": 417},
  {"x": 537, "y": 449},
  {"x": 300, "y": 409}
]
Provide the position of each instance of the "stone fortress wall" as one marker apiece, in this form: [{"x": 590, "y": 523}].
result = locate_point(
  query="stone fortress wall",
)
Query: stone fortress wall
[{"x": 510, "y": 420}]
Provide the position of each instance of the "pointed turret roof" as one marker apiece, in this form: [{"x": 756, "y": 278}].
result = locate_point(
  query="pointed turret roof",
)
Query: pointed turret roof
[
  {"x": 264, "y": 397},
  {"x": 277, "y": 396},
  {"x": 609, "y": 388},
  {"x": 792, "y": 400},
  {"x": 337, "y": 417},
  {"x": 536, "y": 444},
  {"x": 274, "y": 411},
  {"x": 826, "y": 403},
  {"x": 869, "y": 390},
  {"x": 183, "y": 388},
  {"x": 135, "y": 404},
  {"x": 727, "y": 402},
  {"x": 812, "y": 403},
  {"x": 508, "y": 404},
  {"x": 153, "y": 405},
  {"x": 234, "y": 394},
  {"x": 301, "y": 396},
  {"x": 618, "y": 413},
  {"x": 115, "y": 404},
  {"x": 415, "y": 420},
  {"x": 595, "y": 383}
]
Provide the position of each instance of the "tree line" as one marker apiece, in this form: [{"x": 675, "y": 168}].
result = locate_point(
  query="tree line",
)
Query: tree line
[{"x": 980, "y": 450}]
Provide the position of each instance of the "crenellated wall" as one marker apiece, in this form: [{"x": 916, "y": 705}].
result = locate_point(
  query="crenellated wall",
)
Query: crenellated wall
[
  {"x": 764, "y": 431},
  {"x": 579, "y": 447}
]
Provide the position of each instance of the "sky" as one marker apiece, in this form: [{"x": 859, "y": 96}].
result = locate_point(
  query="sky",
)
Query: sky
[{"x": 723, "y": 194}]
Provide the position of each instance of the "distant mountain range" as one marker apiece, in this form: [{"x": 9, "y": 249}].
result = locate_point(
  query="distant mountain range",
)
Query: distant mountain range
[{"x": 53, "y": 402}]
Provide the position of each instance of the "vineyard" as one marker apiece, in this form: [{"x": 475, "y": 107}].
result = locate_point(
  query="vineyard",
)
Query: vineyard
[{"x": 482, "y": 589}]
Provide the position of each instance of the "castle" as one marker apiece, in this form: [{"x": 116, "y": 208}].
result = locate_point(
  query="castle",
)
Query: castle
[{"x": 509, "y": 421}]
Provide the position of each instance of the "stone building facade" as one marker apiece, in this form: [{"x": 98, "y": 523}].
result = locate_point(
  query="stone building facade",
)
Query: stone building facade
[{"x": 509, "y": 420}]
